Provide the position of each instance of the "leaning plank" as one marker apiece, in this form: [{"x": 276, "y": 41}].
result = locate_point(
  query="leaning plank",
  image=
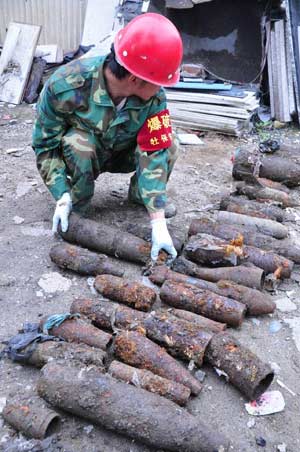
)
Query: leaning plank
[
  {"x": 16, "y": 59},
  {"x": 284, "y": 90},
  {"x": 275, "y": 74},
  {"x": 292, "y": 100},
  {"x": 270, "y": 69},
  {"x": 294, "y": 56}
]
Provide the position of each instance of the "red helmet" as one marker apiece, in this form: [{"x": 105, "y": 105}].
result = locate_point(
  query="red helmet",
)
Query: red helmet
[{"x": 150, "y": 47}]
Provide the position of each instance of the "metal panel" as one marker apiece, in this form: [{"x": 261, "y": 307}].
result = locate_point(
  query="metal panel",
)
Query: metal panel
[{"x": 62, "y": 20}]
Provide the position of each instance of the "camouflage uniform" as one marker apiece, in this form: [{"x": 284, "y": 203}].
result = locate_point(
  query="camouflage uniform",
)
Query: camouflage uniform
[{"x": 80, "y": 133}]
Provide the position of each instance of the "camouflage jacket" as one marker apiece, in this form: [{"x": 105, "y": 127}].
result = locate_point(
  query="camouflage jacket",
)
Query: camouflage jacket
[{"x": 75, "y": 96}]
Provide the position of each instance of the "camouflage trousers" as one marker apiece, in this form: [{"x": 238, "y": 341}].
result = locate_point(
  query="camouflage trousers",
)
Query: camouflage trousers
[{"x": 85, "y": 160}]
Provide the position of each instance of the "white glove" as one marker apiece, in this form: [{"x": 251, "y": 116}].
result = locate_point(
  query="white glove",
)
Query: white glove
[
  {"x": 161, "y": 239},
  {"x": 62, "y": 212}
]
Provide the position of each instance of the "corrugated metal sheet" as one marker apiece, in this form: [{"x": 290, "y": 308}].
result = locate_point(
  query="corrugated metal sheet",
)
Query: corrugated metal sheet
[{"x": 62, "y": 20}]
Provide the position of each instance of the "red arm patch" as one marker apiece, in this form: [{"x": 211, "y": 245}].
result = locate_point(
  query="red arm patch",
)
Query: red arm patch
[{"x": 156, "y": 132}]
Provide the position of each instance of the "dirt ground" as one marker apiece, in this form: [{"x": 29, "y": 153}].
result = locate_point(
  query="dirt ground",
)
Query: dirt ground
[{"x": 31, "y": 286}]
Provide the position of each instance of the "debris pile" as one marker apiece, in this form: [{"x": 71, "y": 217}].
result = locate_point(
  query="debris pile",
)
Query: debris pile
[{"x": 227, "y": 112}]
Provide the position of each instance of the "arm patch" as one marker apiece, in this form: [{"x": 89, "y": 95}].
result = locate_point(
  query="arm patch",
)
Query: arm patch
[{"x": 156, "y": 133}]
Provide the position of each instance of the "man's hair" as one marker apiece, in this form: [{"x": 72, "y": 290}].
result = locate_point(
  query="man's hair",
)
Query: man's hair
[{"x": 115, "y": 67}]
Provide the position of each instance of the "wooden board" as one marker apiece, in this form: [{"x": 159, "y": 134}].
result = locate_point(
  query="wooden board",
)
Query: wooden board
[
  {"x": 270, "y": 69},
  {"x": 283, "y": 82},
  {"x": 249, "y": 102},
  {"x": 293, "y": 56},
  {"x": 220, "y": 110},
  {"x": 16, "y": 60},
  {"x": 275, "y": 75},
  {"x": 292, "y": 100}
]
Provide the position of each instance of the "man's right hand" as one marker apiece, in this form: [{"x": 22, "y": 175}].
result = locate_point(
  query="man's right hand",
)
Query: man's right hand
[
  {"x": 62, "y": 212},
  {"x": 161, "y": 239}
]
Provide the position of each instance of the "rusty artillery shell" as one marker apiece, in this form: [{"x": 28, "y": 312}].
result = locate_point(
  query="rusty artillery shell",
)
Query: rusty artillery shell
[
  {"x": 76, "y": 330},
  {"x": 128, "y": 292},
  {"x": 261, "y": 193},
  {"x": 257, "y": 303},
  {"x": 274, "y": 167},
  {"x": 245, "y": 370},
  {"x": 270, "y": 262},
  {"x": 247, "y": 276},
  {"x": 67, "y": 351},
  {"x": 281, "y": 170},
  {"x": 242, "y": 205},
  {"x": 179, "y": 337},
  {"x": 202, "y": 322},
  {"x": 108, "y": 315},
  {"x": 284, "y": 247},
  {"x": 268, "y": 227},
  {"x": 145, "y": 379},
  {"x": 289, "y": 150},
  {"x": 212, "y": 251},
  {"x": 106, "y": 239},
  {"x": 204, "y": 302},
  {"x": 136, "y": 350},
  {"x": 83, "y": 261},
  {"x": 30, "y": 415},
  {"x": 272, "y": 184},
  {"x": 126, "y": 409}
]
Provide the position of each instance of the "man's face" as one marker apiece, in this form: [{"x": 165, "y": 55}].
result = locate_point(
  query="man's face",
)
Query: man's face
[{"x": 144, "y": 90}]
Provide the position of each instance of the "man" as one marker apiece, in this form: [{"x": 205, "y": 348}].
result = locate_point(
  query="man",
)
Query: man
[{"x": 109, "y": 114}]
